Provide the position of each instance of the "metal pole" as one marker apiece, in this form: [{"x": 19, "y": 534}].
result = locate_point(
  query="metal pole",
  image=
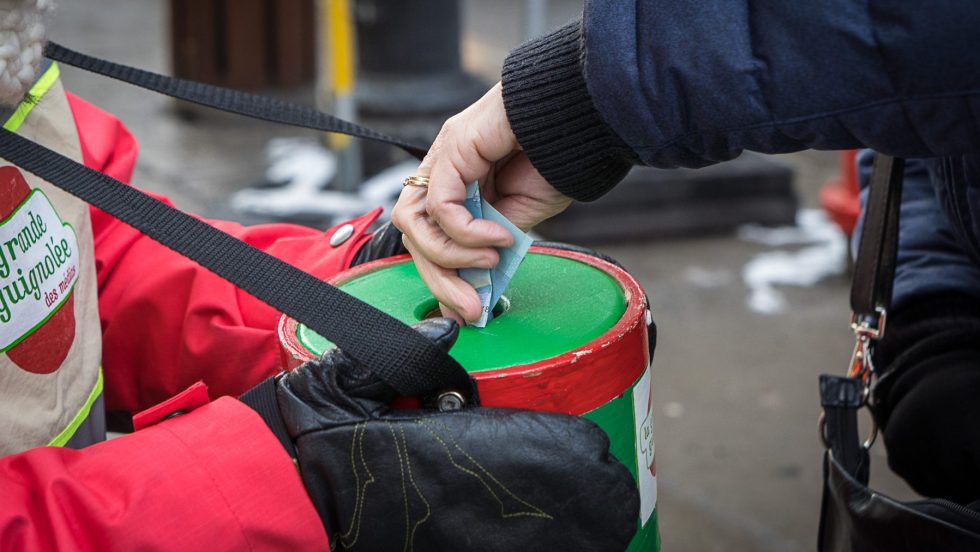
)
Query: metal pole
[
  {"x": 410, "y": 74},
  {"x": 537, "y": 17},
  {"x": 337, "y": 60}
]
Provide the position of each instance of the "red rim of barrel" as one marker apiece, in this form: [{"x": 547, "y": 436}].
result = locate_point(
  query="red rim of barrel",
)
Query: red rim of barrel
[{"x": 574, "y": 382}]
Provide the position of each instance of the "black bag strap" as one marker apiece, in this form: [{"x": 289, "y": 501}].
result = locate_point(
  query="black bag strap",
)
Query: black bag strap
[
  {"x": 400, "y": 356},
  {"x": 852, "y": 516},
  {"x": 226, "y": 99},
  {"x": 874, "y": 268},
  {"x": 841, "y": 398},
  {"x": 871, "y": 293}
]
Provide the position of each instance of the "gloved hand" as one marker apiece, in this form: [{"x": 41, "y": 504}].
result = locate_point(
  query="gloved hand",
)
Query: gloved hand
[
  {"x": 924, "y": 400},
  {"x": 385, "y": 242},
  {"x": 475, "y": 479}
]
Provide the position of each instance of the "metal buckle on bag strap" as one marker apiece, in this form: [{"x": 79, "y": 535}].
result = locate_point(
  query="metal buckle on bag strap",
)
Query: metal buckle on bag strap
[
  {"x": 861, "y": 366},
  {"x": 864, "y": 333}
]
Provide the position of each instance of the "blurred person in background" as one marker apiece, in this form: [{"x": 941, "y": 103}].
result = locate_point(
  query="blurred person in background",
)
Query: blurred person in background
[
  {"x": 688, "y": 84},
  {"x": 94, "y": 315}
]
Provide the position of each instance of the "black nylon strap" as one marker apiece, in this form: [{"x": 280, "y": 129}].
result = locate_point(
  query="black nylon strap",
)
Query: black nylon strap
[
  {"x": 262, "y": 399},
  {"x": 225, "y": 99},
  {"x": 874, "y": 268},
  {"x": 395, "y": 352},
  {"x": 841, "y": 398}
]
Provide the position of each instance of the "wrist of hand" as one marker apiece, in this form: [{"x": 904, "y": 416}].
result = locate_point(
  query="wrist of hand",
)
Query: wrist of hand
[{"x": 564, "y": 136}]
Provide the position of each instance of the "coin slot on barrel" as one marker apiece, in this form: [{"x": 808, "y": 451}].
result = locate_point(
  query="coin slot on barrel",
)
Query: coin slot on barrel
[
  {"x": 503, "y": 305},
  {"x": 430, "y": 308}
]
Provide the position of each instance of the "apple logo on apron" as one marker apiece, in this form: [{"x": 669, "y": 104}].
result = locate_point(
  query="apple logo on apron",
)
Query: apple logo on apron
[{"x": 38, "y": 269}]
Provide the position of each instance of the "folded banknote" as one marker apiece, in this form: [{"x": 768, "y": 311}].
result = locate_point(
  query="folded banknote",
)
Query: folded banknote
[{"x": 490, "y": 284}]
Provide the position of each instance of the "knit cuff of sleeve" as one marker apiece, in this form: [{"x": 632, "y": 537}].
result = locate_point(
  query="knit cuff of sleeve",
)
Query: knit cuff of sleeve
[{"x": 555, "y": 121}]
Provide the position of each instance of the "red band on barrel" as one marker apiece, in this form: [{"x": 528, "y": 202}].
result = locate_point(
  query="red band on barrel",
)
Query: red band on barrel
[{"x": 575, "y": 382}]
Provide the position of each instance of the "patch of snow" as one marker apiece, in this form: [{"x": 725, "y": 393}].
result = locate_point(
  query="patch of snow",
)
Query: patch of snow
[
  {"x": 824, "y": 257},
  {"x": 384, "y": 187},
  {"x": 812, "y": 226},
  {"x": 304, "y": 170}
]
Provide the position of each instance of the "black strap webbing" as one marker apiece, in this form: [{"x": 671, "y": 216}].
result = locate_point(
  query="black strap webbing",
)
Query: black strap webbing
[
  {"x": 404, "y": 359},
  {"x": 226, "y": 99},
  {"x": 874, "y": 268},
  {"x": 841, "y": 398},
  {"x": 262, "y": 399}
]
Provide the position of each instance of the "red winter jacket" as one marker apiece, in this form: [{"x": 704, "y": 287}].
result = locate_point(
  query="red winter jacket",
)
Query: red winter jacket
[{"x": 213, "y": 479}]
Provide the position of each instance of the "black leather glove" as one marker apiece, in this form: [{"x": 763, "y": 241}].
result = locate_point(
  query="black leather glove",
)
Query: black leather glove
[
  {"x": 475, "y": 479},
  {"x": 385, "y": 242},
  {"x": 925, "y": 400}
]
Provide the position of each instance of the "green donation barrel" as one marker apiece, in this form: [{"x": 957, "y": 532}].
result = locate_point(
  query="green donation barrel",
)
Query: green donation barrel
[{"x": 570, "y": 335}]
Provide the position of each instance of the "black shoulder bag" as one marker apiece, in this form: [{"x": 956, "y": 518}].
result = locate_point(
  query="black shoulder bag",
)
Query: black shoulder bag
[{"x": 852, "y": 516}]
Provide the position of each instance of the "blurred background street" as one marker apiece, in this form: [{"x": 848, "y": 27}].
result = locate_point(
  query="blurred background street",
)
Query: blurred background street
[{"x": 735, "y": 371}]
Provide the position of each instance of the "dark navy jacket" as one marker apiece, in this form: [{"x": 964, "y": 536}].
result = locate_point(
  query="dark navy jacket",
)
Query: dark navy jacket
[
  {"x": 689, "y": 83},
  {"x": 936, "y": 247}
]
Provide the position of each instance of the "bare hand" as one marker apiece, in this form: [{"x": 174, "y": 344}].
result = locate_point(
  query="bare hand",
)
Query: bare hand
[{"x": 442, "y": 236}]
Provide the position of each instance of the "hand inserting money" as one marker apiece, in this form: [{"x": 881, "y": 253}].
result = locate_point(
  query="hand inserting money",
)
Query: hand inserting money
[{"x": 491, "y": 283}]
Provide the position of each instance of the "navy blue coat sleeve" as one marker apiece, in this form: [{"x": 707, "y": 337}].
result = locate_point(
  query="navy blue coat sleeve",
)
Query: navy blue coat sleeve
[{"x": 693, "y": 82}]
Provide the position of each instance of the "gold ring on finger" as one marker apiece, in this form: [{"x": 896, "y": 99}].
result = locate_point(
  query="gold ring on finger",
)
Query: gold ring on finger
[{"x": 417, "y": 181}]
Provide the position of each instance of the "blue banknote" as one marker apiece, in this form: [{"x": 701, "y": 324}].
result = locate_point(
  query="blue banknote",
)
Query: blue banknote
[{"x": 491, "y": 284}]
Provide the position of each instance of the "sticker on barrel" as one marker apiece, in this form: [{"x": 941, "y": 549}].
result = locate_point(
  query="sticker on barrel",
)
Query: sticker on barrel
[{"x": 646, "y": 462}]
